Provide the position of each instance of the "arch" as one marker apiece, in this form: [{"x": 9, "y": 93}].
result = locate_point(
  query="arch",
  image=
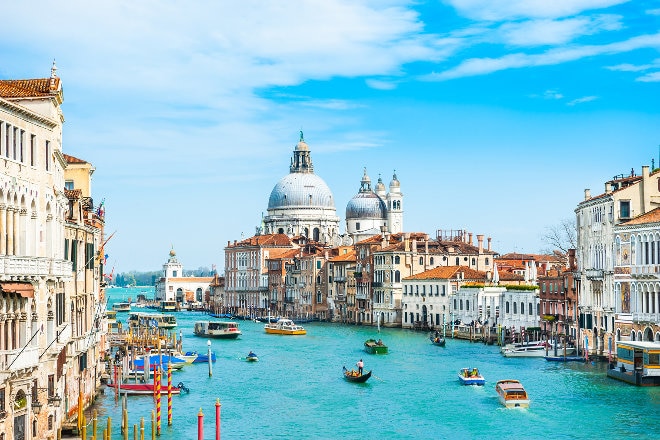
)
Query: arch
[
  {"x": 316, "y": 234},
  {"x": 648, "y": 334},
  {"x": 198, "y": 295},
  {"x": 618, "y": 335}
]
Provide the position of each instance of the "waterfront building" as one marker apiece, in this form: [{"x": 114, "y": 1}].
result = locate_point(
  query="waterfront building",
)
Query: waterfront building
[
  {"x": 51, "y": 238},
  {"x": 426, "y": 296},
  {"x": 173, "y": 286},
  {"x": 637, "y": 278},
  {"x": 247, "y": 272},
  {"x": 306, "y": 282},
  {"x": 341, "y": 285},
  {"x": 277, "y": 263},
  {"x": 625, "y": 197},
  {"x": 407, "y": 254},
  {"x": 217, "y": 294},
  {"x": 370, "y": 213},
  {"x": 558, "y": 298},
  {"x": 301, "y": 202}
]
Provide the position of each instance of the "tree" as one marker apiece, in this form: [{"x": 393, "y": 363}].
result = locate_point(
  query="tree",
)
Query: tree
[{"x": 561, "y": 238}]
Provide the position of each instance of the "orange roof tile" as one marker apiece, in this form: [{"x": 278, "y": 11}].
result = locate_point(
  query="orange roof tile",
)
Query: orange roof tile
[
  {"x": 448, "y": 272},
  {"x": 28, "y": 88},
  {"x": 649, "y": 217},
  {"x": 71, "y": 159}
]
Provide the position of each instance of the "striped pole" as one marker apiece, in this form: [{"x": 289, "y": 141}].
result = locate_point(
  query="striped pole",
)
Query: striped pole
[
  {"x": 169, "y": 393},
  {"x": 217, "y": 419},
  {"x": 200, "y": 425},
  {"x": 158, "y": 404}
]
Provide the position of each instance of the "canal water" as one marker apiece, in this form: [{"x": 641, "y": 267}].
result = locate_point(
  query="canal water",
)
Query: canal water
[{"x": 296, "y": 390}]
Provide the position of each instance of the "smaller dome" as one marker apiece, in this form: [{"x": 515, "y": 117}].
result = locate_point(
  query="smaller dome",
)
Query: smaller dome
[
  {"x": 365, "y": 205},
  {"x": 395, "y": 182},
  {"x": 380, "y": 187},
  {"x": 172, "y": 253}
]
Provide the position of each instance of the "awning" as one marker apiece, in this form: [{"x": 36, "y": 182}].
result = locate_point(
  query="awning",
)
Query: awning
[{"x": 26, "y": 290}]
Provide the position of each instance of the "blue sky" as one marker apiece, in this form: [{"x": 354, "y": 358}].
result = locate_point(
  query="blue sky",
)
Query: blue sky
[{"x": 495, "y": 114}]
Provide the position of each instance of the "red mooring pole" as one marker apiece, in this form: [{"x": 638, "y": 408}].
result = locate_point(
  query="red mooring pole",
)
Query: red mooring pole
[
  {"x": 217, "y": 419},
  {"x": 200, "y": 425},
  {"x": 169, "y": 393}
]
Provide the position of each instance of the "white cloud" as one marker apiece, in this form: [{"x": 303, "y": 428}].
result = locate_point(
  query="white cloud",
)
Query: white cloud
[
  {"x": 582, "y": 100},
  {"x": 626, "y": 67},
  {"x": 495, "y": 10},
  {"x": 650, "y": 77},
  {"x": 483, "y": 66},
  {"x": 380, "y": 84},
  {"x": 552, "y": 94},
  {"x": 555, "y": 32}
]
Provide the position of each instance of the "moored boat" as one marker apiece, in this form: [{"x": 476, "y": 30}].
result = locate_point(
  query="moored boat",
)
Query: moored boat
[
  {"x": 375, "y": 347},
  {"x": 201, "y": 357},
  {"x": 512, "y": 394},
  {"x": 155, "y": 360},
  {"x": 121, "y": 307},
  {"x": 535, "y": 349},
  {"x": 355, "y": 376},
  {"x": 146, "y": 388},
  {"x": 637, "y": 363},
  {"x": 471, "y": 376},
  {"x": 284, "y": 327},
  {"x": 215, "y": 329}
]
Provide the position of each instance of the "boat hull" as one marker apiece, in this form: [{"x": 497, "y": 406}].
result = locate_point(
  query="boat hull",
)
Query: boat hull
[
  {"x": 511, "y": 394},
  {"x": 284, "y": 327},
  {"x": 353, "y": 376},
  {"x": 371, "y": 346},
  {"x": 440, "y": 342}
]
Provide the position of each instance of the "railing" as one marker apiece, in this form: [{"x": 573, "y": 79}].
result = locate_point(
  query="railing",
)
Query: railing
[
  {"x": 593, "y": 274},
  {"x": 377, "y": 284},
  {"x": 361, "y": 296},
  {"x": 647, "y": 269},
  {"x": 12, "y": 265},
  {"x": 14, "y": 360},
  {"x": 340, "y": 279}
]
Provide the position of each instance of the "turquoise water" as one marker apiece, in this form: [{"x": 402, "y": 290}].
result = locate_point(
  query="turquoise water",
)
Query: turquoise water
[{"x": 297, "y": 391}]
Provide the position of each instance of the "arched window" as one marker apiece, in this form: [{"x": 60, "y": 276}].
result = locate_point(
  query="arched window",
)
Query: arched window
[
  {"x": 522, "y": 308},
  {"x": 458, "y": 261},
  {"x": 467, "y": 304},
  {"x": 474, "y": 261},
  {"x": 529, "y": 308},
  {"x": 397, "y": 276},
  {"x": 507, "y": 307},
  {"x": 397, "y": 260},
  {"x": 317, "y": 234},
  {"x": 431, "y": 260},
  {"x": 515, "y": 308},
  {"x": 421, "y": 261}
]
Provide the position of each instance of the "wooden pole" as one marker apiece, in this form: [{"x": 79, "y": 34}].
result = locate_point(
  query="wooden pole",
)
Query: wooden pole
[
  {"x": 153, "y": 427},
  {"x": 83, "y": 431},
  {"x": 109, "y": 430},
  {"x": 94, "y": 422},
  {"x": 141, "y": 428}
]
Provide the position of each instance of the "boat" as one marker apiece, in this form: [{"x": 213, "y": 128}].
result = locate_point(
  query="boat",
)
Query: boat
[
  {"x": 156, "y": 360},
  {"x": 535, "y": 349},
  {"x": 636, "y": 363},
  {"x": 284, "y": 327},
  {"x": 436, "y": 339},
  {"x": 565, "y": 358},
  {"x": 355, "y": 376},
  {"x": 375, "y": 347},
  {"x": 152, "y": 320},
  {"x": 471, "y": 376},
  {"x": 167, "y": 306},
  {"x": 215, "y": 329},
  {"x": 252, "y": 357},
  {"x": 121, "y": 307},
  {"x": 146, "y": 388},
  {"x": 512, "y": 394},
  {"x": 201, "y": 358}
]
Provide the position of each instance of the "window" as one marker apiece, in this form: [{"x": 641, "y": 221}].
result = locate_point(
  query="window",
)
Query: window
[
  {"x": 529, "y": 308},
  {"x": 357, "y": 226},
  {"x": 318, "y": 264},
  {"x": 421, "y": 261},
  {"x": 431, "y": 260},
  {"x": 624, "y": 209},
  {"x": 33, "y": 149},
  {"x": 397, "y": 260},
  {"x": 319, "y": 299},
  {"x": 515, "y": 307},
  {"x": 522, "y": 308},
  {"x": 48, "y": 156},
  {"x": 458, "y": 261},
  {"x": 467, "y": 304},
  {"x": 68, "y": 185}
]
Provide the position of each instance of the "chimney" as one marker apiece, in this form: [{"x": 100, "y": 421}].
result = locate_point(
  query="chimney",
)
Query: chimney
[
  {"x": 571, "y": 260},
  {"x": 414, "y": 244},
  {"x": 228, "y": 243},
  {"x": 489, "y": 240},
  {"x": 426, "y": 243},
  {"x": 587, "y": 194},
  {"x": 470, "y": 238},
  {"x": 608, "y": 188},
  {"x": 406, "y": 241},
  {"x": 646, "y": 190},
  {"x": 480, "y": 241}
]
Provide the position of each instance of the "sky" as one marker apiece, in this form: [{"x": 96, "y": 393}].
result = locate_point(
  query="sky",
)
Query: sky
[{"x": 495, "y": 114}]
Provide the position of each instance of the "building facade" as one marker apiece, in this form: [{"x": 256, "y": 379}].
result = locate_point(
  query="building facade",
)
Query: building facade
[{"x": 186, "y": 291}]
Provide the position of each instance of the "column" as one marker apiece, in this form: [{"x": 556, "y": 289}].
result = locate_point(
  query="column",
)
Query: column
[
  {"x": 15, "y": 233},
  {"x": 10, "y": 231},
  {"x": 3, "y": 229}
]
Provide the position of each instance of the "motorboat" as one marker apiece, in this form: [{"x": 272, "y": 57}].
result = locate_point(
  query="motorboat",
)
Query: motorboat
[
  {"x": 252, "y": 357},
  {"x": 121, "y": 307},
  {"x": 284, "y": 327},
  {"x": 471, "y": 376},
  {"x": 373, "y": 346},
  {"x": 512, "y": 394},
  {"x": 535, "y": 349},
  {"x": 217, "y": 329}
]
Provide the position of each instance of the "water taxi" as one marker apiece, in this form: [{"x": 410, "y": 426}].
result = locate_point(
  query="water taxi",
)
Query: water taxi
[
  {"x": 121, "y": 307},
  {"x": 638, "y": 363},
  {"x": 153, "y": 320},
  {"x": 214, "y": 329},
  {"x": 167, "y": 306},
  {"x": 535, "y": 349},
  {"x": 470, "y": 376},
  {"x": 284, "y": 327},
  {"x": 512, "y": 394},
  {"x": 375, "y": 347}
]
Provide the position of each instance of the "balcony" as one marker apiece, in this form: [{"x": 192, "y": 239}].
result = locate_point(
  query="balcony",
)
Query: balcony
[
  {"x": 340, "y": 279},
  {"x": 14, "y": 360},
  {"x": 594, "y": 274},
  {"x": 377, "y": 284},
  {"x": 13, "y": 267},
  {"x": 645, "y": 271},
  {"x": 362, "y": 296}
]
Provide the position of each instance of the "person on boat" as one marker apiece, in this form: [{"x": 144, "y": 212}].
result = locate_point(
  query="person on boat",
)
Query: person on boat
[
  {"x": 380, "y": 342},
  {"x": 251, "y": 354},
  {"x": 360, "y": 366}
]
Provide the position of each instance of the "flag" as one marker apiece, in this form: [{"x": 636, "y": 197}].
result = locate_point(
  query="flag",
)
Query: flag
[{"x": 101, "y": 253}]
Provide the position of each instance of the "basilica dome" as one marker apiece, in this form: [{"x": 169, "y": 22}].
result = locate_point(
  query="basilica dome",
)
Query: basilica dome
[
  {"x": 301, "y": 190},
  {"x": 366, "y": 205}
]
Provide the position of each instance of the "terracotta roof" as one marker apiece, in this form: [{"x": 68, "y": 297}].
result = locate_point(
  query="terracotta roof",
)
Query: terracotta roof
[
  {"x": 448, "y": 272},
  {"x": 347, "y": 257},
  {"x": 649, "y": 217},
  {"x": 71, "y": 159},
  {"x": 190, "y": 279},
  {"x": 276, "y": 254},
  {"x": 73, "y": 194},
  {"x": 264, "y": 240},
  {"x": 28, "y": 88}
]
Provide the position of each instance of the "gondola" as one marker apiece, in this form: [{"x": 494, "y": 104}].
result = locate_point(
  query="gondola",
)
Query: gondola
[
  {"x": 354, "y": 376},
  {"x": 437, "y": 340}
]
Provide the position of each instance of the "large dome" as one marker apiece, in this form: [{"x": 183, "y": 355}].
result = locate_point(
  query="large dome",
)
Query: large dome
[
  {"x": 301, "y": 190},
  {"x": 366, "y": 205}
]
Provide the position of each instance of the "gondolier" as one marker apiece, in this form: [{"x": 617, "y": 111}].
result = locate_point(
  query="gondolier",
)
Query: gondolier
[{"x": 360, "y": 366}]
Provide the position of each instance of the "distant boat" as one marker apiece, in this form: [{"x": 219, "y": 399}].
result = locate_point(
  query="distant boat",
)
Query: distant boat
[
  {"x": 355, "y": 376},
  {"x": 375, "y": 347},
  {"x": 437, "y": 340},
  {"x": 220, "y": 330},
  {"x": 252, "y": 357},
  {"x": 471, "y": 376},
  {"x": 121, "y": 307},
  {"x": 168, "y": 306},
  {"x": 201, "y": 357},
  {"x": 284, "y": 327}
]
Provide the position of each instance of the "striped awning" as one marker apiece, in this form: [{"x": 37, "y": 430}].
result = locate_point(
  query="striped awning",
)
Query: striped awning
[{"x": 26, "y": 290}]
